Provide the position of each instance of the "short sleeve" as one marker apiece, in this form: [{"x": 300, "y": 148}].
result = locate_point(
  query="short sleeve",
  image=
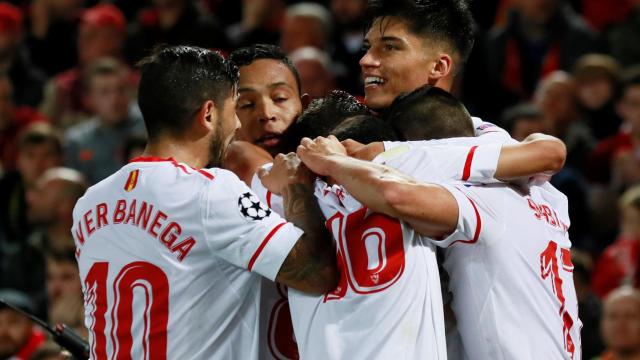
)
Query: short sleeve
[
  {"x": 242, "y": 230},
  {"x": 272, "y": 200},
  {"x": 431, "y": 162},
  {"x": 469, "y": 223}
]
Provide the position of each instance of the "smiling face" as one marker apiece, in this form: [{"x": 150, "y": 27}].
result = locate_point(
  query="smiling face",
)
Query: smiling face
[
  {"x": 268, "y": 102},
  {"x": 396, "y": 61}
]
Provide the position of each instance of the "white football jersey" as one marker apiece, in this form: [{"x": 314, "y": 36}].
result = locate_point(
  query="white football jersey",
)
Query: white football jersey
[
  {"x": 510, "y": 268},
  {"x": 169, "y": 259},
  {"x": 388, "y": 303}
]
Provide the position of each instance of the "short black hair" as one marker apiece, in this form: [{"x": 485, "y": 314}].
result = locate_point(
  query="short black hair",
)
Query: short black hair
[
  {"x": 175, "y": 81},
  {"x": 429, "y": 112},
  {"x": 449, "y": 21},
  {"x": 322, "y": 116},
  {"x": 364, "y": 129},
  {"x": 247, "y": 55}
]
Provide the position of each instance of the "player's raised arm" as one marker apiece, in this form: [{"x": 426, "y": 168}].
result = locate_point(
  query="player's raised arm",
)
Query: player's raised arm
[
  {"x": 430, "y": 209},
  {"x": 311, "y": 263},
  {"x": 537, "y": 154}
]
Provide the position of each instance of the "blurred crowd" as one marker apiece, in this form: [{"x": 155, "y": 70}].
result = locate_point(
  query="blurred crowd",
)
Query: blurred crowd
[{"x": 69, "y": 118}]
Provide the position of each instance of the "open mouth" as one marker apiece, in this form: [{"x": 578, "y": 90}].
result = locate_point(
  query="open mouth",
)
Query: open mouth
[
  {"x": 371, "y": 81},
  {"x": 268, "y": 140}
]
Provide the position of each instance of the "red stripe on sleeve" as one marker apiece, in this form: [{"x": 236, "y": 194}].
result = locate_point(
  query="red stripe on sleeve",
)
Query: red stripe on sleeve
[
  {"x": 264, "y": 243},
  {"x": 476, "y": 235},
  {"x": 467, "y": 164}
]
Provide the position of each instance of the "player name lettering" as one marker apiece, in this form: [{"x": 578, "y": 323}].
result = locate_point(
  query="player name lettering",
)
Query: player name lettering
[
  {"x": 546, "y": 213},
  {"x": 142, "y": 214}
]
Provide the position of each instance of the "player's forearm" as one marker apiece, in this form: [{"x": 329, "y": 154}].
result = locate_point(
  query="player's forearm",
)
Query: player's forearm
[
  {"x": 311, "y": 264},
  {"x": 429, "y": 208},
  {"x": 542, "y": 154}
]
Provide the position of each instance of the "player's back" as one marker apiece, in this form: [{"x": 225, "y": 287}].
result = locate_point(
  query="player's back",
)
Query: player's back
[
  {"x": 388, "y": 302},
  {"x": 156, "y": 285},
  {"x": 511, "y": 274}
]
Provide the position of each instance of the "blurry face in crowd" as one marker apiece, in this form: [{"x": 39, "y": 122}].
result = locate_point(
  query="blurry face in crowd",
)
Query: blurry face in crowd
[
  {"x": 9, "y": 41},
  {"x": 629, "y": 107},
  {"x": 109, "y": 97},
  {"x": 43, "y": 200},
  {"x": 62, "y": 279},
  {"x": 14, "y": 332},
  {"x": 315, "y": 80},
  {"x": 537, "y": 11},
  {"x": 95, "y": 42},
  {"x": 630, "y": 222},
  {"x": 301, "y": 31},
  {"x": 557, "y": 102},
  {"x": 61, "y": 8},
  {"x": 35, "y": 159},
  {"x": 347, "y": 11},
  {"x": 621, "y": 323},
  {"x": 396, "y": 61},
  {"x": 524, "y": 127},
  {"x": 6, "y": 103},
  {"x": 268, "y": 102},
  {"x": 594, "y": 93},
  {"x": 225, "y": 130}
]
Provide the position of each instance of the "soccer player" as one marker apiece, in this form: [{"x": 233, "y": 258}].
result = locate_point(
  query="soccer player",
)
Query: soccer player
[
  {"x": 507, "y": 250},
  {"x": 169, "y": 253},
  {"x": 389, "y": 277}
]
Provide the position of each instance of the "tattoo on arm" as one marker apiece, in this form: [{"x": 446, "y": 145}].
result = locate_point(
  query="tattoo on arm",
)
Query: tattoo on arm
[{"x": 311, "y": 264}]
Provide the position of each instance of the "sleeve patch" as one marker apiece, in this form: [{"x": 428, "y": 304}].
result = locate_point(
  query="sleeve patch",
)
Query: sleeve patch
[{"x": 252, "y": 208}]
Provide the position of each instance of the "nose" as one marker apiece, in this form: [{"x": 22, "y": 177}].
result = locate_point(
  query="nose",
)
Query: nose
[
  {"x": 368, "y": 60},
  {"x": 238, "y": 124},
  {"x": 266, "y": 111}
]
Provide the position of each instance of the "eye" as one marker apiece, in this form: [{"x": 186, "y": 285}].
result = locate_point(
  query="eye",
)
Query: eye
[
  {"x": 244, "y": 105},
  {"x": 390, "y": 47},
  {"x": 280, "y": 99}
]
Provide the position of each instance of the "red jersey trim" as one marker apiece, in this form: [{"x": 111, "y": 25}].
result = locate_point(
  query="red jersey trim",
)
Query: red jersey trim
[
  {"x": 476, "y": 235},
  {"x": 269, "y": 198},
  {"x": 466, "y": 173},
  {"x": 263, "y": 244},
  {"x": 173, "y": 162}
]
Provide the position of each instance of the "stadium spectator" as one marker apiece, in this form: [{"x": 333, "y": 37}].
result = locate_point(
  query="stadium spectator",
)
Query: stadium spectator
[
  {"x": 607, "y": 150},
  {"x": 555, "y": 95},
  {"x": 618, "y": 264},
  {"x": 315, "y": 69},
  {"x": 597, "y": 78},
  {"x": 53, "y": 33},
  {"x": 50, "y": 204},
  {"x": 306, "y": 24},
  {"x": 623, "y": 38},
  {"x": 620, "y": 325},
  {"x": 64, "y": 291},
  {"x": 173, "y": 22},
  {"x": 49, "y": 350},
  {"x": 260, "y": 23},
  {"x": 19, "y": 337},
  {"x": 95, "y": 147},
  {"x": 349, "y": 19},
  {"x": 13, "y": 120},
  {"x": 269, "y": 95},
  {"x": 15, "y": 60},
  {"x": 101, "y": 34},
  {"x": 539, "y": 37},
  {"x": 523, "y": 120}
]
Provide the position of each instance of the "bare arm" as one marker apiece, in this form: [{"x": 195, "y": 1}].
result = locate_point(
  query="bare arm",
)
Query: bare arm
[
  {"x": 311, "y": 263},
  {"x": 538, "y": 154},
  {"x": 429, "y": 208}
]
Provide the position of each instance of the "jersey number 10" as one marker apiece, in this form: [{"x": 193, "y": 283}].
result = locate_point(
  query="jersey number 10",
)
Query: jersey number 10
[{"x": 151, "y": 281}]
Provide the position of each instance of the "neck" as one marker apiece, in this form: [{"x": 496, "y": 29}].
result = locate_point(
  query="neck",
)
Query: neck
[{"x": 193, "y": 152}]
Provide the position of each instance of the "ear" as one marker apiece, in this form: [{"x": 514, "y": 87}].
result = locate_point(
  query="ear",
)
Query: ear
[
  {"x": 305, "y": 99},
  {"x": 442, "y": 68},
  {"x": 207, "y": 116}
]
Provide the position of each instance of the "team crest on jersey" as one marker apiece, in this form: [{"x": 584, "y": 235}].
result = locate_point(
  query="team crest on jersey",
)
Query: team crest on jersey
[
  {"x": 252, "y": 208},
  {"x": 132, "y": 180}
]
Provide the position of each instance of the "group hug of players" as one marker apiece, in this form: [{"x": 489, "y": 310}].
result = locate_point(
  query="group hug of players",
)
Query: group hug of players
[{"x": 178, "y": 260}]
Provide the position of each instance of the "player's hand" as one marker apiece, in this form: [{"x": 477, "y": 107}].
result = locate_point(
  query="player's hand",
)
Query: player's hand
[
  {"x": 361, "y": 151},
  {"x": 316, "y": 154},
  {"x": 286, "y": 170}
]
